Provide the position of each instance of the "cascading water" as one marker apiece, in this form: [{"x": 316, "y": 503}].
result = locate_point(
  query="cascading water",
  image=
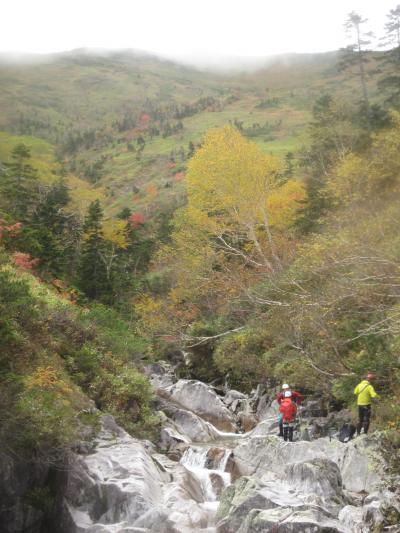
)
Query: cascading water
[
  {"x": 136, "y": 486},
  {"x": 195, "y": 459}
]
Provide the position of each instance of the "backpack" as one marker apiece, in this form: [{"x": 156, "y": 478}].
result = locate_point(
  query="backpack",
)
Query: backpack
[
  {"x": 288, "y": 410},
  {"x": 347, "y": 432}
]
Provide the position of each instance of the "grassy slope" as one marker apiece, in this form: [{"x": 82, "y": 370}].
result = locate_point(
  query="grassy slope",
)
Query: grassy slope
[
  {"x": 80, "y": 91},
  {"x": 55, "y": 356},
  {"x": 43, "y": 157}
]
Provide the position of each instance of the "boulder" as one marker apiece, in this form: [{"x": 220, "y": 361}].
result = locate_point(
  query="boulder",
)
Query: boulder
[
  {"x": 247, "y": 421},
  {"x": 319, "y": 480},
  {"x": 118, "y": 482},
  {"x": 256, "y": 505},
  {"x": 217, "y": 482},
  {"x": 381, "y": 508},
  {"x": 267, "y": 408},
  {"x": 161, "y": 375},
  {"x": 266, "y": 427},
  {"x": 359, "y": 461},
  {"x": 287, "y": 520},
  {"x": 170, "y": 439},
  {"x": 351, "y": 518},
  {"x": 203, "y": 401},
  {"x": 217, "y": 458},
  {"x": 236, "y": 502},
  {"x": 361, "y": 465},
  {"x": 232, "y": 469},
  {"x": 232, "y": 396},
  {"x": 188, "y": 424}
]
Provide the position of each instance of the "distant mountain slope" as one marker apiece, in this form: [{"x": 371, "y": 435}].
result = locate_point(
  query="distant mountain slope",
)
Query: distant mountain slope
[
  {"x": 127, "y": 122},
  {"x": 85, "y": 90}
]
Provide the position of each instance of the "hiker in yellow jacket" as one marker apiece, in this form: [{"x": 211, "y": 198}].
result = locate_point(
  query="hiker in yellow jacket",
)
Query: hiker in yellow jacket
[{"x": 365, "y": 392}]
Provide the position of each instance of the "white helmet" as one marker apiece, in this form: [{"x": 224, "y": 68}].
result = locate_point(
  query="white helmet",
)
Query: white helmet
[
  {"x": 287, "y": 394},
  {"x": 285, "y": 386}
]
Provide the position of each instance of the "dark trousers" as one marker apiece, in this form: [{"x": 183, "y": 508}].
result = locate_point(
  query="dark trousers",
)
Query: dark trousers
[
  {"x": 280, "y": 426},
  {"x": 288, "y": 432},
  {"x": 364, "y": 415}
]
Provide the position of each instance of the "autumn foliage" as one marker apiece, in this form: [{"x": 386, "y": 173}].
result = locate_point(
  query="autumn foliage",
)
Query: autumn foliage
[
  {"x": 23, "y": 261},
  {"x": 136, "y": 220},
  {"x": 9, "y": 230},
  {"x": 237, "y": 224}
]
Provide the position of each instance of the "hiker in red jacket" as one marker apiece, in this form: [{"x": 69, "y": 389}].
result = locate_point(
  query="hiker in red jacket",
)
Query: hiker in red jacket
[
  {"x": 288, "y": 410},
  {"x": 296, "y": 397}
]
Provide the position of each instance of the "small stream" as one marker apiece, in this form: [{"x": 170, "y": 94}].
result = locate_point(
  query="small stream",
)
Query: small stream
[
  {"x": 209, "y": 471},
  {"x": 316, "y": 485}
]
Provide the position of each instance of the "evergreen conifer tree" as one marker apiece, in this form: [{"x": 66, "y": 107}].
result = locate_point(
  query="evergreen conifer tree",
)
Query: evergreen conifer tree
[
  {"x": 355, "y": 54},
  {"x": 50, "y": 223},
  {"x": 19, "y": 184},
  {"x": 92, "y": 273},
  {"x": 390, "y": 81}
]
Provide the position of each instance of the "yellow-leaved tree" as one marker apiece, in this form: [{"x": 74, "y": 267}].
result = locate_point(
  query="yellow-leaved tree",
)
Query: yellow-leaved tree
[
  {"x": 229, "y": 182},
  {"x": 114, "y": 232},
  {"x": 236, "y": 225},
  {"x": 372, "y": 175}
]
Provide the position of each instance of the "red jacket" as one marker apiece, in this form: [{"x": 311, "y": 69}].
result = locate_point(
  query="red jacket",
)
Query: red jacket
[
  {"x": 296, "y": 397},
  {"x": 288, "y": 410}
]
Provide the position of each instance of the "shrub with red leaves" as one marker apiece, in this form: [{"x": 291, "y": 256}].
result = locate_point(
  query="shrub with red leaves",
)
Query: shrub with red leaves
[
  {"x": 9, "y": 230},
  {"x": 136, "y": 220},
  {"x": 24, "y": 261},
  {"x": 179, "y": 176}
]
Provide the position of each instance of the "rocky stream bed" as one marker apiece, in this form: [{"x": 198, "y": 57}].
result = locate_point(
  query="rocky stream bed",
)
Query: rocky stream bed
[{"x": 220, "y": 467}]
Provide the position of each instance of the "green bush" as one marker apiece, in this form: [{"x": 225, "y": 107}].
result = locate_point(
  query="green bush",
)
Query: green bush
[
  {"x": 127, "y": 395},
  {"x": 112, "y": 332},
  {"x": 42, "y": 394},
  {"x": 242, "y": 356},
  {"x": 18, "y": 312}
]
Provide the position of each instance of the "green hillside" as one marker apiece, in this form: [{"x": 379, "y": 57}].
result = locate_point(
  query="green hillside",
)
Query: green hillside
[{"x": 97, "y": 109}]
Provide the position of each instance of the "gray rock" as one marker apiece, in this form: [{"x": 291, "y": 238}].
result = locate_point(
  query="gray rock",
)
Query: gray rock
[
  {"x": 267, "y": 408},
  {"x": 17, "y": 479},
  {"x": 247, "y": 421},
  {"x": 265, "y": 428},
  {"x": 287, "y": 520},
  {"x": 381, "y": 509},
  {"x": 188, "y": 424},
  {"x": 170, "y": 438},
  {"x": 203, "y": 401},
  {"x": 359, "y": 461},
  {"x": 254, "y": 505},
  {"x": 161, "y": 375},
  {"x": 118, "y": 482},
  {"x": 237, "y": 501},
  {"x": 232, "y": 396},
  {"x": 351, "y": 518},
  {"x": 319, "y": 477}
]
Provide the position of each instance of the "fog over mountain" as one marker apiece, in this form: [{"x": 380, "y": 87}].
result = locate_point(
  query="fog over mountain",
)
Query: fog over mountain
[{"x": 215, "y": 62}]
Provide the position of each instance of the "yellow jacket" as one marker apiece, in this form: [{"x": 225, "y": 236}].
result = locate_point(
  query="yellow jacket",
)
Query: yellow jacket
[{"x": 365, "y": 392}]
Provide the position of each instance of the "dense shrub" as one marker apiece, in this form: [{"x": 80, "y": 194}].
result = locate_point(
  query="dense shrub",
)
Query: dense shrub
[
  {"x": 242, "y": 357},
  {"x": 55, "y": 358}
]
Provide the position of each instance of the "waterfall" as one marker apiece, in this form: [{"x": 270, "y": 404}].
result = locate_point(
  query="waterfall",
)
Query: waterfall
[
  {"x": 194, "y": 457},
  {"x": 212, "y": 481},
  {"x": 224, "y": 460}
]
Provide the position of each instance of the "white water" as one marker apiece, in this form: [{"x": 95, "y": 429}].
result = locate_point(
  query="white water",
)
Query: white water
[{"x": 195, "y": 459}]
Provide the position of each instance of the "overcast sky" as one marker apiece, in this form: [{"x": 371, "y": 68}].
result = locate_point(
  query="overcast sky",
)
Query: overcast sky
[{"x": 184, "y": 27}]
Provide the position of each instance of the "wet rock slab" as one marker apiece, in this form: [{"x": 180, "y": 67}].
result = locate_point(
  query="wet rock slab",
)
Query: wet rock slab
[
  {"x": 120, "y": 488},
  {"x": 203, "y": 401}
]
